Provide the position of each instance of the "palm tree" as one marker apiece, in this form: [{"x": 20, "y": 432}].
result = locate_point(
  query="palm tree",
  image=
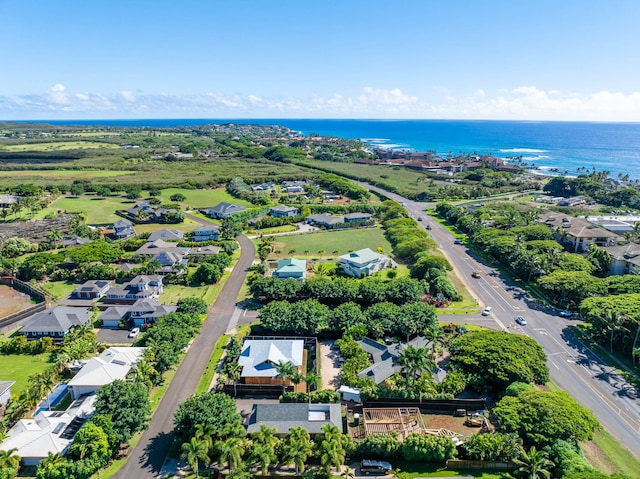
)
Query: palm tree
[
  {"x": 194, "y": 451},
  {"x": 4, "y": 212},
  {"x": 286, "y": 370},
  {"x": 436, "y": 336},
  {"x": 205, "y": 433},
  {"x": 311, "y": 379},
  {"x": 613, "y": 322},
  {"x": 230, "y": 451},
  {"x": 414, "y": 362},
  {"x": 332, "y": 453},
  {"x": 234, "y": 371},
  {"x": 266, "y": 436},
  {"x": 9, "y": 460},
  {"x": 262, "y": 455},
  {"x": 534, "y": 465},
  {"x": 297, "y": 448},
  {"x": 292, "y": 251}
]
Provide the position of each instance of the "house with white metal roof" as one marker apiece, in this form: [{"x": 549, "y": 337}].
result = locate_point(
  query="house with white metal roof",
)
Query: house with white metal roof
[
  {"x": 363, "y": 262},
  {"x": 259, "y": 358}
]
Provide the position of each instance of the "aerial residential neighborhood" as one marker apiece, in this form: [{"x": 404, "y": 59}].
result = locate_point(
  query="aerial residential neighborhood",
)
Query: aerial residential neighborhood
[{"x": 310, "y": 323}]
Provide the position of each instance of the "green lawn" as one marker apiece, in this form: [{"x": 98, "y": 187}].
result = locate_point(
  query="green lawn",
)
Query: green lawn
[
  {"x": 341, "y": 241},
  {"x": 59, "y": 289},
  {"x": 59, "y": 145},
  {"x": 173, "y": 292},
  {"x": 18, "y": 367},
  {"x": 98, "y": 211},
  {"x": 186, "y": 225},
  {"x": 616, "y": 454},
  {"x": 202, "y": 198}
]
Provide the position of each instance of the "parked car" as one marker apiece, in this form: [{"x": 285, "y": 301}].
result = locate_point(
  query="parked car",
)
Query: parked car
[
  {"x": 566, "y": 313},
  {"x": 521, "y": 321},
  {"x": 486, "y": 311},
  {"x": 419, "y": 218},
  {"x": 134, "y": 333},
  {"x": 369, "y": 466}
]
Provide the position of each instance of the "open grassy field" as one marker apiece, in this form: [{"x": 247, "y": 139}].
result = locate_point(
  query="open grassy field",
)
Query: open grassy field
[
  {"x": 59, "y": 289},
  {"x": 67, "y": 174},
  {"x": 98, "y": 211},
  {"x": 186, "y": 225},
  {"x": 59, "y": 146},
  {"x": 202, "y": 198},
  {"x": 18, "y": 367},
  {"x": 341, "y": 241}
]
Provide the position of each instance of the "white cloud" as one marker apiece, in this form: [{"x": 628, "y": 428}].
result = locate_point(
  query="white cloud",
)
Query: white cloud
[{"x": 526, "y": 102}]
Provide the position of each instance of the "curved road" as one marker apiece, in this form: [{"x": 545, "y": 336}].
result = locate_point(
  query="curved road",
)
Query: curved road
[
  {"x": 572, "y": 365},
  {"x": 148, "y": 456}
]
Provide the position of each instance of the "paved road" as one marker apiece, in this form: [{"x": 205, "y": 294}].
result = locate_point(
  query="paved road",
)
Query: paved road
[
  {"x": 573, "y": 367},
  {"x": 148, "y": 456}
]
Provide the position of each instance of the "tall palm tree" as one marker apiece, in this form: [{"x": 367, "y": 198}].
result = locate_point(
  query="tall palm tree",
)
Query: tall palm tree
[
  {"x": 534, "y": 465},
  {"x": 297, "y": 448},
  {"x": 332, "y": 453},
  {"x": 310, "y": 379},
  {"x": 9, "y": 460},
  {"x": 230, "y": 451},
  {"x": 266, "y": 436},
  {"x": 234, "y": 371},
  {"x": 414, "y": 362},
  {"x": 436, "y": 336},
  {"x": 613, "y": 322},
  {"x": 285, "y": 371},
  {"x": 205, "y": 433},
  {"x": 263, "y": 455},
  {"x": 194, "y": 451}
]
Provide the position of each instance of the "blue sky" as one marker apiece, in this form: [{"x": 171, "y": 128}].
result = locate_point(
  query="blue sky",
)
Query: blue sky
[{"x": 460, "y": 59}]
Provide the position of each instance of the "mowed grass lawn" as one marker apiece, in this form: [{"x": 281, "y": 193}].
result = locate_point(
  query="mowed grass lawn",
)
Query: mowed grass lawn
[
  {"x": 341, "y": 241},
  {"x": 18, "y": 368},
  {"x": 202, "y": 198},
  {"x": 98, "y": 211}
]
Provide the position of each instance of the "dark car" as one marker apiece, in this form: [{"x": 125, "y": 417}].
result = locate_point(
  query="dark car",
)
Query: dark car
[
  {"x": 457, "y": 241},
  {"x": 369, "y": 466},
  {"x": 428, "y": 227}
]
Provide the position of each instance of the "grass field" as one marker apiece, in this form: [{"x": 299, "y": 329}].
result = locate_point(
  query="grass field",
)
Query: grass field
[
  {"x": 18, "y": 367},
  {"x": 65, "y": 174},
  {"x": 59, "y": 146},
  {"x": 186, "y": 225},
  {"x": 341, "y": 241},
  {"x": 59, "y": 289},
  {"x": 98, "y": 211},
  {"x": 202, "y": 198}
]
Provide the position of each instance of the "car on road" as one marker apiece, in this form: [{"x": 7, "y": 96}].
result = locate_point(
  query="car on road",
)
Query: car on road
[
  {"x": 566, "y": 313},
  {"x": 457, "y": 241},
  {"x": 428, "y": 227},
  {"x": 134, "y": 333},
  {"x": 521, "y": 321},
  {"x": 419, "y": 218},
  {"x": 486, "y": 311},
  {"x": 475, "y": 274}
]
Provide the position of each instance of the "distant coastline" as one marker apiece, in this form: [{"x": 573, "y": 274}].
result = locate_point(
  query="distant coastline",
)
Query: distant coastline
[{"x": 562, "y": 147}]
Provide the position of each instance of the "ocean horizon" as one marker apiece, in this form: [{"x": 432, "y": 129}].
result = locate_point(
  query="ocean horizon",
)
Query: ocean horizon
[{"x": 546, "y": 146}]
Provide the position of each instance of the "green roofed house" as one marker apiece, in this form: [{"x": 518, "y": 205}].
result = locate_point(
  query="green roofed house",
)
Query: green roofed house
[
  {"x": 291, "y": 268},
  {"x": 363, "y": 262}
]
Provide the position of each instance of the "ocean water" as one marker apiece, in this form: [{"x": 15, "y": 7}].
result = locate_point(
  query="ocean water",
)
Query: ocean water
[{"x": 546, "y": 146}]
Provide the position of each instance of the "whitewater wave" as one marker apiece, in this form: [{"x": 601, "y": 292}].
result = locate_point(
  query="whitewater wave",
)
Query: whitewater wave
[
  {"x": 533, "y": 158},
  {"x": 522, "y": 150},
  {"x": 374, "y": 140}
]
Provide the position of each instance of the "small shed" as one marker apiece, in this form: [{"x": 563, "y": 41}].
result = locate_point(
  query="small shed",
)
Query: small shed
[{"x": 349, "y": 393}]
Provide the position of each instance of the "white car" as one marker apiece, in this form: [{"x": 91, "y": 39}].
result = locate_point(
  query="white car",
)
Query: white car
[
  {"x": 134, "y": 333},
  {"x": 566, "y": 313},
  {"x": 486, "y": 311},
  {"x": 521, "y": 321}
]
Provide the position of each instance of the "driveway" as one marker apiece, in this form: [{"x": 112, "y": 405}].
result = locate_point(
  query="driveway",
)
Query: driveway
[
  {"x": 114, "y": 336},
  {"x": 329, "y": 365}
]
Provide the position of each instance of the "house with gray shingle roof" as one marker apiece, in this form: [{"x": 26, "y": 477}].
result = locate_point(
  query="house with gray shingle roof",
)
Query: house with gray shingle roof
[
  {"x": 92, "y": 289},
  {"x": 325, "y": 220},
  {"x": 356, "y": 217},
  {"x": 123, "y": 229},
  {"x": 281, "y": 211},
  {"x": 206, "y": 233},
  {"x": 224, "y": 210},
  {"x": 385, "y": 358},
  {"x": 283, "y": 416},
  {"x": 167, "y": 235},
  {"x": 55, "y": 322},
  {"x": 259, "y": 358}
]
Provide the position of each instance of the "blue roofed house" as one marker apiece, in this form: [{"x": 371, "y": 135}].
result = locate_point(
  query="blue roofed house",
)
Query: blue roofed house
[
  {"x": 259, "y": 358},
  {"x": 291, "y": 268},
  {"x": 282, "y": 211},
  {"x": 206, "y": 233},
  {"x": 55, "y": 322},
  {"x": 363, "y": 262},
  {"x": 224, "y": 210}
]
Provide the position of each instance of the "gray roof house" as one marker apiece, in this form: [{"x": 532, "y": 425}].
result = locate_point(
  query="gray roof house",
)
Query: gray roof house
[
  {"x": 356, "y": 217},
  {"x": 75, "y": 240},
  {"x": 123, "y": 229},
  {"x": 112, "y": 316},
  {"x": 167, "y": 235},
  {"x": 140, "y": 287},
  {"x": 385, "y": 358},
  {"x": 259, "y": 357},
  {"x": 287, "y": 415},
  {"x": 158, "y": 246},
  {"x": 363, "y": 262},
  {"x": 55, "y": 322},
  {"x": 147, "y": 311},
  {"x": 324, "y": 219},
  {"x": 281, "y": 211},
  {"x": 206, "y": 233},
  {"x": 5, "y": 392},
  {"x": 92, "y": 289},
  {"x": 224, "y": 210}
]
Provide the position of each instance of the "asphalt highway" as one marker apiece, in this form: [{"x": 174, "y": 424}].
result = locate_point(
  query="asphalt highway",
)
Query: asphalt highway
[{"x": 572, "y": 365}]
